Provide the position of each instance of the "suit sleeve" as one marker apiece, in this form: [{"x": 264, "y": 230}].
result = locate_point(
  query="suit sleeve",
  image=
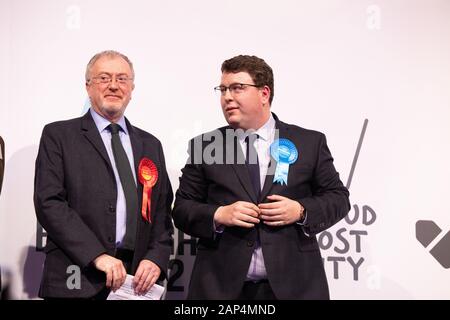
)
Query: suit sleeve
[
  {"x": 161, "y": 240},
  {"x": 63, "y": 224},
  {"x": 192, "y": 214},
  {"x": 329, "y": 202}
]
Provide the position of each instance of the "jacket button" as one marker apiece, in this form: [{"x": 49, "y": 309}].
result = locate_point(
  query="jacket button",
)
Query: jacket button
[
  {"x": 112, "y": 208},
  {"x": 111, "y": 239},
  {"x": 250, "y": 243}
]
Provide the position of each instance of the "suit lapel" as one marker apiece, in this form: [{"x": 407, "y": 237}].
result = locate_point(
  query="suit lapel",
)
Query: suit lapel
[
  {"x": 283, "y": 132},
  {"x": 90, "y": 131},
  {"x": 137, "y": 145}
]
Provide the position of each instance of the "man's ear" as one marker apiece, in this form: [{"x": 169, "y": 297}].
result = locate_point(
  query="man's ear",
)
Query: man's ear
[{"x": 265, "y": 94}]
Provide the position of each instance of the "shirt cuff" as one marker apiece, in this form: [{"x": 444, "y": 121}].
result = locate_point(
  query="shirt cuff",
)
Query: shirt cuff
[
  {"x": 304, "y": 219},
  {"x": 219, "y": 228},
  {"x": 302, "y": 222}
]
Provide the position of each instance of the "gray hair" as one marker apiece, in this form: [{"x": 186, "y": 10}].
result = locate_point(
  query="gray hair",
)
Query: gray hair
[{"x": 107, "y": 53}]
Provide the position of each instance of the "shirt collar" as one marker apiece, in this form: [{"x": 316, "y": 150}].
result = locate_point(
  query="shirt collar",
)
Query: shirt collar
[
  {"x": 103, "y": 123},
  {"x": 267, "y": 129},
  {"x": 265, "y": 132}
]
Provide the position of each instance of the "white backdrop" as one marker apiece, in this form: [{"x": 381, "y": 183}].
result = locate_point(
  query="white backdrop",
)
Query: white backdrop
[{"x": 336, "y": 64}]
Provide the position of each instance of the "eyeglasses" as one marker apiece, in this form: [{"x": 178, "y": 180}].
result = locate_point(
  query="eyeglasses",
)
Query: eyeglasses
[
  {"x": 235, "y": 88},
  {"x": 104, "y": 79}
]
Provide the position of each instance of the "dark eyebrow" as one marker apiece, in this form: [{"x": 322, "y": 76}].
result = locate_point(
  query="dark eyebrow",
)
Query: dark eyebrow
[
  {"x": 109, "y": 74},
  {"x": 234, "y": 83}
]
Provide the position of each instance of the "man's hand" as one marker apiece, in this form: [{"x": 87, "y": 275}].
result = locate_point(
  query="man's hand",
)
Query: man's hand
[
  {"x": 114, "y": 269},
  {"x": 240, "y": 214},
  {"x": 282, "y": 211},
  {"x": 145, "y": 277}
]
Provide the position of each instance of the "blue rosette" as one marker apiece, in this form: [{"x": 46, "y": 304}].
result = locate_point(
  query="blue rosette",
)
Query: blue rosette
[{"x": 285, "y": 153}]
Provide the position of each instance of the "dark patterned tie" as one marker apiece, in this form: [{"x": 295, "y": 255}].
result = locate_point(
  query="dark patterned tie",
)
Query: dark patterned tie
[
  {"x": 128, "y": 186},
  {"x": 252, "y": 163}
]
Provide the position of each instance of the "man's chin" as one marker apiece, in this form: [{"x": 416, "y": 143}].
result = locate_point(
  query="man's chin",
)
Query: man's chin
[
  {"x": 112, "y": 108},
  {"x": 112, "y": 111},
  {"x": 233, "y": 121}
]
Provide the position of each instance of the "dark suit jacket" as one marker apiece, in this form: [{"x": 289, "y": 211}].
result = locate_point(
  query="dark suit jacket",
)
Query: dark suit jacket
[
  {"x": 2, "y": 162},
  {"x": 75, "y": 199},
  {"x": 292, "y": 259}
]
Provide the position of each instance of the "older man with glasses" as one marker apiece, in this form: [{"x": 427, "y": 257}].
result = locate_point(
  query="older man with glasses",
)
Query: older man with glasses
[{"x": 102, "y": 193}]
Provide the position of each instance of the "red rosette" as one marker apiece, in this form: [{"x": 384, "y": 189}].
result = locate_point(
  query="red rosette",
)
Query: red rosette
[{"x": 148, "y": 176}]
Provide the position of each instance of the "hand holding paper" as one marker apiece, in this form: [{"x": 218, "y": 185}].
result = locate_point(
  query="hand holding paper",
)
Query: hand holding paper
[{"x": 126, "y": 292}]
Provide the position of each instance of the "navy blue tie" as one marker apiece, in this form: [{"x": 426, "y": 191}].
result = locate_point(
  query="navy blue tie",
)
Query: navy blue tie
[{"x": 252, "y": 163}]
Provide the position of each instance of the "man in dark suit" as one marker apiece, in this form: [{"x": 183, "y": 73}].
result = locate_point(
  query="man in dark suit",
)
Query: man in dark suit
[
  {"x": 91, "y": 176},
  {"x": 2, "y": 162},
  {"x": 2, "y": 169},
  {"x": 257, "y": 199}
]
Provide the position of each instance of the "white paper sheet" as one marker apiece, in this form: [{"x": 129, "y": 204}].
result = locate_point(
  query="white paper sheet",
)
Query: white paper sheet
[{"x": 126, "y": 292}]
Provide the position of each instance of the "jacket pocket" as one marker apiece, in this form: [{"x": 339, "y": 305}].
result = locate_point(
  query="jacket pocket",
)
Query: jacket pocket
[{"x": 306, "y": 243}]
